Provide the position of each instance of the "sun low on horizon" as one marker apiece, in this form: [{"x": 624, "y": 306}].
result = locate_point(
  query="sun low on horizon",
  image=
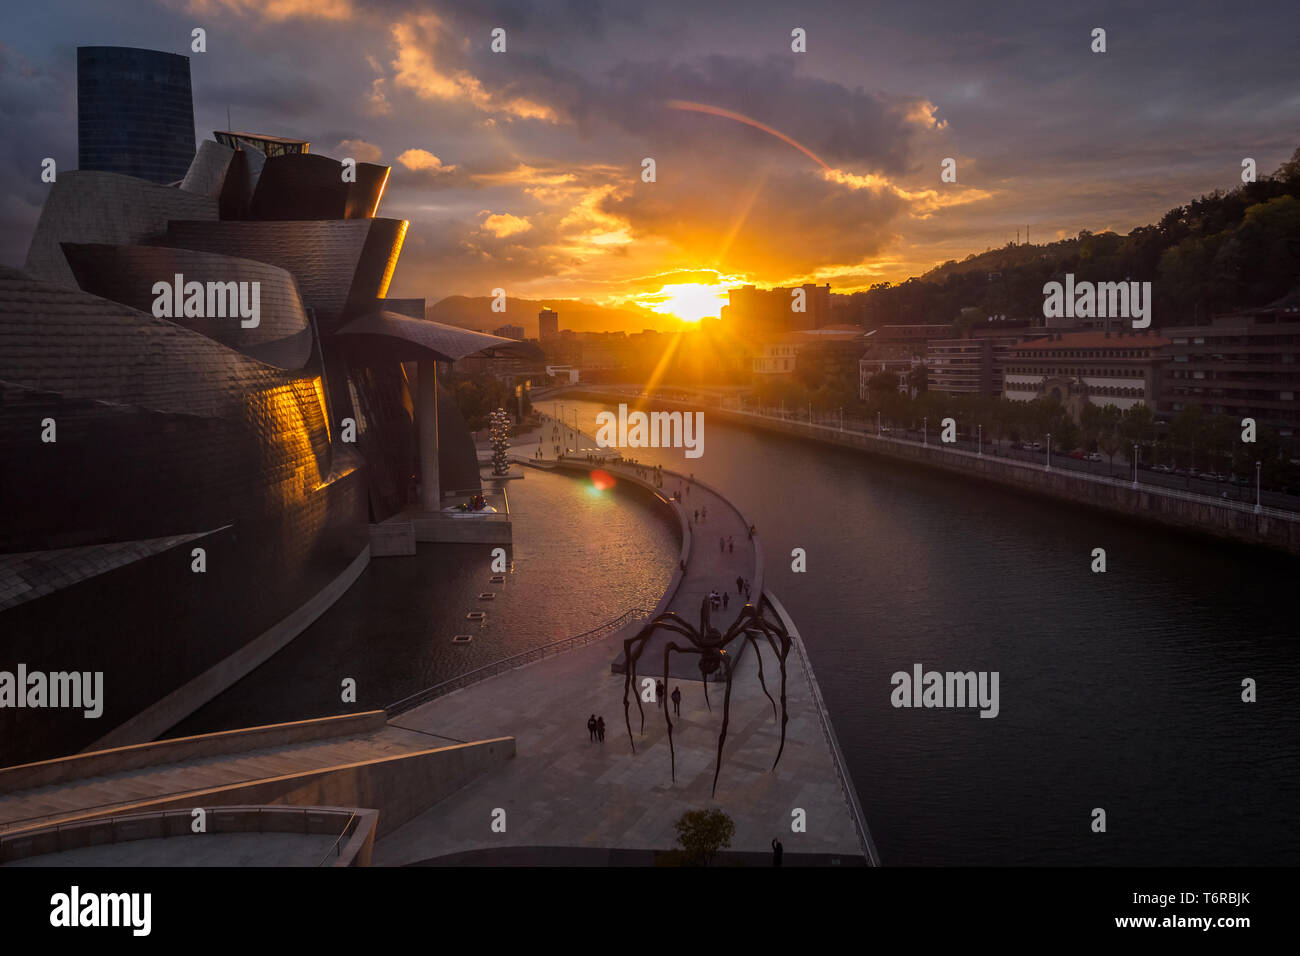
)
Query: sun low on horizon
[{"x": 688, "y": 301}]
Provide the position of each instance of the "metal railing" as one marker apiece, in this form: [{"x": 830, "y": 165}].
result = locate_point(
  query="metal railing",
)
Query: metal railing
[
  {"x": 828, "y": 732},
  {"x": 163, "y": 831},
  {"x": 337, "y": 847},
  {"x": 863, "y": 435},
  {"x": 517, "y": 660}
]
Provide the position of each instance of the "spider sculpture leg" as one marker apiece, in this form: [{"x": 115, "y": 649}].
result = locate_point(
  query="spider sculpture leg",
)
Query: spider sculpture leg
[
  {"x": 670, "y": 621},
  {"x": 671, "y": 646},
  {"x": 774, "y": 636},
  {"x": 726, "y": 707},
  {"x": 749, "y": 636}
]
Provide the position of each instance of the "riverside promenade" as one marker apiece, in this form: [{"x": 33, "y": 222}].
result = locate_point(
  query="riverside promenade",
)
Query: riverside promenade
[{"x": 563, "y": 790}]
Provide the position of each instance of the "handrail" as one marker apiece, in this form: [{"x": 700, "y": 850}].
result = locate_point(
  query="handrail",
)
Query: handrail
[
  {"x": 337, "y": 847},
  {"x": 828, "y": 731},
  {"x": 510, "y": 663},
  {"x": 792, "y": 424}
]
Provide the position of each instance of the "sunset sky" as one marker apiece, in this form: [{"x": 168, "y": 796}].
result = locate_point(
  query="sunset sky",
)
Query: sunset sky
[{"x": 522, "y": 170}]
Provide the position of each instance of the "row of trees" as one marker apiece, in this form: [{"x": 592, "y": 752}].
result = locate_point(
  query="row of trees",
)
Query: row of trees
[{"x": 1193, "y": 439}]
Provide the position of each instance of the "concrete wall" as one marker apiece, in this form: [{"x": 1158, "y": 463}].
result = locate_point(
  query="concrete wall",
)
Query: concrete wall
[
  {"x": 400, "y": 787},
  {"x": 80, "y": 766},
  {"x": 354, "y": 850},
  {"x": 1144, "y": 502}
]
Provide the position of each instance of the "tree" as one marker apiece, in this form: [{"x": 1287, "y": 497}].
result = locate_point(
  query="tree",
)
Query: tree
[
  {"x": 702, "y": 833},
  {"x": 1109, "y": 438},
  {"x": 883, "y": 382},
  {"x": 918, "y": 379}
]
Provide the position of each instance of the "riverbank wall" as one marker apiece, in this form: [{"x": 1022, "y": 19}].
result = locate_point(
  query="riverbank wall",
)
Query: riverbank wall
[{"x": 1187, "y": 512}]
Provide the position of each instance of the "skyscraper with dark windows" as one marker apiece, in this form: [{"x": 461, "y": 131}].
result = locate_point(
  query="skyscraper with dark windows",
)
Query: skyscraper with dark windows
[{"x": 135, "y": 112}]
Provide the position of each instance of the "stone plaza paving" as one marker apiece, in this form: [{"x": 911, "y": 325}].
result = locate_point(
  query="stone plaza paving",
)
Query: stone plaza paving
[{"x": 564, "y": 790}]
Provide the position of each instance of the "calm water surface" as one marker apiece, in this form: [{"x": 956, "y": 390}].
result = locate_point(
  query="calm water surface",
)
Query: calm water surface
[{"x": 1118, "y": 690}]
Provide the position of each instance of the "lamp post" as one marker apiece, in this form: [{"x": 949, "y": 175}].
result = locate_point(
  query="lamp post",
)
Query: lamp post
[
  {"x": 980, "y": 453},
  {"x": 925, "y": 431},
  {"x": 841, "y": 418},
  {"x": 810, "y": 413},
  {"x": 1049, "y": 451},
  {"x": 877, "y": 424},
  {"x": 1258, "y": 465},
  {"x": 1135, "y": 464}
]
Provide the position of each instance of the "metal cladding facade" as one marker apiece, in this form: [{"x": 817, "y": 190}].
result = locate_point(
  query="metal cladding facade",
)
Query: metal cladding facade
[
  {"x": 130, "y": 442},
  {"x": 128, "y": 274},
  {"x": 135, "y": 112},
  {"x": 164, "y": 440}
]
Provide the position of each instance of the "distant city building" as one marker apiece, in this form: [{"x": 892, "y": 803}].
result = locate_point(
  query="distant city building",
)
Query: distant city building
[
  {"x": 897, "y": 361},
  {"x": 754, "y": 311},
  {"x": 1079, "y": 368},
  {"x": 563, "y": 374},
  {"x": 268, "y": 145},
  {"x": 548, "y": 324},
  {"x": 515, "y": 332},
  {"x": 973, "y": 365},
  {"x": 916, "y": 336},
  {"x": 1245, "y": 365},
  {"x": 825, "y": 353},
  {"x": 135, "y": 113}
]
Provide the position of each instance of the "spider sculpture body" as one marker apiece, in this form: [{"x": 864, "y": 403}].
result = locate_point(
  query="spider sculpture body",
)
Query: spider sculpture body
[{"x": 710, "y": 644}]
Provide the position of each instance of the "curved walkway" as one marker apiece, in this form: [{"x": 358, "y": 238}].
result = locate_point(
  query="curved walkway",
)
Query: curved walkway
[{"x": 564, "y": 790}]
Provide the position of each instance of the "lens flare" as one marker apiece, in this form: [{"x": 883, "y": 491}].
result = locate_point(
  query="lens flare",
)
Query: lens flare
[{"x": 602, "y": 480}]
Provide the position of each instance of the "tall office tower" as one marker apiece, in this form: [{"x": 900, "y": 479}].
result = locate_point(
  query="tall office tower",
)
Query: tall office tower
[
  {"x": 548, "y": 324},
  {"x": 135, "y": 112}
]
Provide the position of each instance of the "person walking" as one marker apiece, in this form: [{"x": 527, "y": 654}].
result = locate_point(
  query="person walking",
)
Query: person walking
[
  {"x": 677, "y": 701},
  {"x": 778, "y": 851},
  {"x": 705, "y": 511},
  {"x": 740, "y": 584},
  {"x": 659, "y": 693},
  {"x": 731, "y": 545},
  {"x": 697, "y": 515},
  {"x": 722, "y": 545},
  {"x": 591, "y": 727},
  {"x": 600, "y": 729},
  {"x": 726, "y": 599}
]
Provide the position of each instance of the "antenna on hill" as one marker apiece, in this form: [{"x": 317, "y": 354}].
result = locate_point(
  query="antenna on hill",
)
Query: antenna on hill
[{"x": 228, "y": 126}]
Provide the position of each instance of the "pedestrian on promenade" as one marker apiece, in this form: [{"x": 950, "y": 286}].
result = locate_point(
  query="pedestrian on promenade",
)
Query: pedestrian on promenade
[
  {"x": 591, "y": 727},
  {"x": 751, "y": 532},
  {"x": 746, "y": 589},
  {"x": 731, "y": 545},
  {"x": 722, "y": 545},
  {"x": 740, "y": 584},
  {"x": 697, "y": 514},
  {"x": 705, "y": 511},
  {"x": 677, "y": 701},
  {"x": 726, "y": 599},
  {"x": 682, "y": 562},
  {"x": 778, "y": 851},
  {"x": 600, "y": 729},
  {"x": 659, "y": 693}
]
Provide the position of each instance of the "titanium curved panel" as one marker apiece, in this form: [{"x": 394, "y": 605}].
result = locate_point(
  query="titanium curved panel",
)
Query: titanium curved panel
[
  {"x": 128, "y": 275},
  {"x": 85, "y": 206}
]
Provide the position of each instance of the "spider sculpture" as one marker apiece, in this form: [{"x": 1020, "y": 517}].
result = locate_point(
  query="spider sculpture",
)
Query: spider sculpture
[{"x": 711, "y": 644}]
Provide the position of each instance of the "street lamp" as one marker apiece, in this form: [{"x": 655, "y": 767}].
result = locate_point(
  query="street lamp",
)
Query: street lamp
[
  {"x": 1049, "y": 451},
  {"x": 980, "y": 454},
  {"x": 1135, "y": 464},
  {"x": 925, "y": 432},
  {"x": 877, "y": 424},
  {"x": 841, "y": 418},
  {"x": 810, "y": 413},
  {"x": 1258, "y": 465}
]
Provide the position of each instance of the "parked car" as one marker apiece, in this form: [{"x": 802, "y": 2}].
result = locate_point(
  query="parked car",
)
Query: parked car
[
  {"x": 1036, "y": 446},
  {"x": 1208, "y": 476},
  {"x": 1095, "y": 456},
  {"x": 1077, "y": 453},
  {"x": 1163, "y": 469}
]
